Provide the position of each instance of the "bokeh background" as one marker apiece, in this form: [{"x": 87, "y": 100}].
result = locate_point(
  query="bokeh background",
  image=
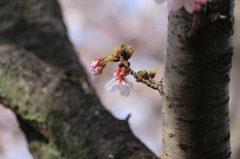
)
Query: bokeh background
[{"x": 96, "y": 26}]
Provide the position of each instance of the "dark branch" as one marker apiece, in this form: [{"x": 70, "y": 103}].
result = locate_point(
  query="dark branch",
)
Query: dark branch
[{"x": 43, "y": 82}]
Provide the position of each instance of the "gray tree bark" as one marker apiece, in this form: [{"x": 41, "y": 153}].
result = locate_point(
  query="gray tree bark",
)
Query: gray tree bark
[
  {"x": 42, "y": 81},
  {"x": 196, "y": 79}
]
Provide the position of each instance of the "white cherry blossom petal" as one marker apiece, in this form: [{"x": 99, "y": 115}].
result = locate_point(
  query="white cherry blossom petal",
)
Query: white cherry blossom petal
[
  {"x": 130, "y": 83},
  {"x": 123, "y": 86},
  {"x": 124, "y": 89},
  {"x": 111, "y": 85},
  {"x": 174, "y": 5},
  {"x": 189, "y": 6}
]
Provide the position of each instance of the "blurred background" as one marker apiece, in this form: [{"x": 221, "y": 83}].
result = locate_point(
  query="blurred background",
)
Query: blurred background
[{"x": 95, "y": 27}]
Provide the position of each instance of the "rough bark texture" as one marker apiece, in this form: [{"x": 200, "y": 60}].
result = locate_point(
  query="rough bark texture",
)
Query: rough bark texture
[
  {"x": 42, "y": 81},
  {"x": 196, "y": 78}
]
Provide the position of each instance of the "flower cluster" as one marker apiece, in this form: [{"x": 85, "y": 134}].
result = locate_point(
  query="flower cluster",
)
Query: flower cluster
[
  {"x": 119, "y": 81},
  {"x": 99, "y": 64},
  {"x": 189, "y": 5}
]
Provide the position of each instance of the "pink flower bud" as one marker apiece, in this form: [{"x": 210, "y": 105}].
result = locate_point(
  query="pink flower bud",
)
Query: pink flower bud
[
  {"x": 97, "y": 70},
  {"x": 98, "y": 66},
  {"x": 96, "y": 62},
  {"x": 197, "y": 7},
  {"x": 201, "y": 1}
]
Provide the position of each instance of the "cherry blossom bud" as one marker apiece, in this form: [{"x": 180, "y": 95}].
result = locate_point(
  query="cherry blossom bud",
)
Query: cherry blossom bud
[
  {"x": 96, "y": 62},
  {"x": 152, "y": 73},
  {"x": 140, "y": 73},
  {"x": 98, "y": 65},
  {"x": 143, "y": 74},
  {"x": 130, "y": 47},
  {"x": 129, "y": 52},
  {"x": 98, "y": 70},
  {"x": 113, "y": 58},
  {"x": 115, "y": 49},
  {"x": 123, "y": 47}
]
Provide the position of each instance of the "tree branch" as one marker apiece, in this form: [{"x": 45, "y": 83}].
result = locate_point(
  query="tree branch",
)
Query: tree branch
[{"x": 43, "y": 82}]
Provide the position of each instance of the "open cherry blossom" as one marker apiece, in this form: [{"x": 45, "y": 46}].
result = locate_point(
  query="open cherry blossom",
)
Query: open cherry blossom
[
  {"x": 120, "y": 82},
  {"x": 189, "y": 5}
]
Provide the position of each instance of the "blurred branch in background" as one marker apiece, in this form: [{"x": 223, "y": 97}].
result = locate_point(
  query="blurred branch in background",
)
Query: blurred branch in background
[{"x": 42, "y": 81}]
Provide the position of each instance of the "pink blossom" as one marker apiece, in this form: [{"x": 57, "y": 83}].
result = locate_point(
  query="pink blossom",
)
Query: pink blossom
[
  {"x": 177, "y": 4},
  {"x": 120, "y": 82},
  {"x": 94, "y": 63},
  {"x": 197, "y": 5},
  {"x": 201, "y": 1},
  {"x": 189, "y": 5},
  {"x": 98, "y": 66},
  {"x": 98, "y": 70}
]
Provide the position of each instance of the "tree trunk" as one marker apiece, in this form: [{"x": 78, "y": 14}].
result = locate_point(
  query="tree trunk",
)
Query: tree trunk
[
  {"x": 196, "y": 78},
  {"x": 43, "y": 82}
]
